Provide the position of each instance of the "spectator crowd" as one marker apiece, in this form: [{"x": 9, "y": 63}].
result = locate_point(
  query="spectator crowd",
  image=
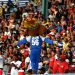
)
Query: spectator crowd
[{"x": 60, "y": 26}]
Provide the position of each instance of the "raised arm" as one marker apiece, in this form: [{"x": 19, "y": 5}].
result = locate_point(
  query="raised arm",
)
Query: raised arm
[{"x": 47, "y": 40}]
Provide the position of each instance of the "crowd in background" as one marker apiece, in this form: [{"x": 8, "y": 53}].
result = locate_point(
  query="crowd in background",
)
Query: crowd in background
[{"x": 60, "y": 25}]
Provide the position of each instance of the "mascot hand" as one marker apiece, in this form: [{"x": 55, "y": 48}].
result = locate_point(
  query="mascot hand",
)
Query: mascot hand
[{"x": 55, "y": 42}]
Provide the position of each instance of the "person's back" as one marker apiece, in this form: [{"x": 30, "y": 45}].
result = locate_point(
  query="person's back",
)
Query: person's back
[{"x": 35, "y": 42}]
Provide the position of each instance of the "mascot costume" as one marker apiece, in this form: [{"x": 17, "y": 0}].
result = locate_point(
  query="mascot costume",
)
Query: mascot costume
[{"x": 35, "y": 37}]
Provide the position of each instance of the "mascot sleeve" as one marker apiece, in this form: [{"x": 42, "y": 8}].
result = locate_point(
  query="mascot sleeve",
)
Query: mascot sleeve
[{"x": 47, "y": 40}]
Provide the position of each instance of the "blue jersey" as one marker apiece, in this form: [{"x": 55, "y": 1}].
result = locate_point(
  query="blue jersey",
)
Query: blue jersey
[{"x": 35, "y": 42}]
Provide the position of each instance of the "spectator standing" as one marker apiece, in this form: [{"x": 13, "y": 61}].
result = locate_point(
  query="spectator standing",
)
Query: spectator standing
[
  {"x": 64, "y": 66},
  {"x": 15, "y": 65}
]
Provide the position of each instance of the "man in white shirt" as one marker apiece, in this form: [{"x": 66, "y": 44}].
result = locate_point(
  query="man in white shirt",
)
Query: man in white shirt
[{"x": 15, "y": 65}]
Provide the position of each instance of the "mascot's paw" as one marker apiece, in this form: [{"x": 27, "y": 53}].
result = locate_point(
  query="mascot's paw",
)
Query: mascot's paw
[{"x": 55, "y": 42}]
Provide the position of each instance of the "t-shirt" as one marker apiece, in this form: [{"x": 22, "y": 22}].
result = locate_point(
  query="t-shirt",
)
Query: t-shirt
[
  {"x": 63, "y": 67},
  {"x": 56, "y": 66},
  {"x": 51, "y": 64},
  {"x": 14, "y": 71}
]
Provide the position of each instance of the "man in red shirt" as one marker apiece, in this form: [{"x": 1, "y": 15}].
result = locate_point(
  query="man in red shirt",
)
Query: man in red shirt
[
  {"x": 60, "y": 66},
  {"x": 52, "y": 60},
  {"x": 63, "y": 66},
  {"x": 56, "y": 66}
]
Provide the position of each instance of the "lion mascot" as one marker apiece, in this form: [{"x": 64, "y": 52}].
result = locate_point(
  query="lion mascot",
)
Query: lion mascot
[{"x": 33, "y": 26}]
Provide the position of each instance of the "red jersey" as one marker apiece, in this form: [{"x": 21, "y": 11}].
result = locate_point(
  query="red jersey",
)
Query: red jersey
[
  {"x": 56, "y": 66},
  {"x": 63, "y": 67},
  {"x": 51, "y": 64}
]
